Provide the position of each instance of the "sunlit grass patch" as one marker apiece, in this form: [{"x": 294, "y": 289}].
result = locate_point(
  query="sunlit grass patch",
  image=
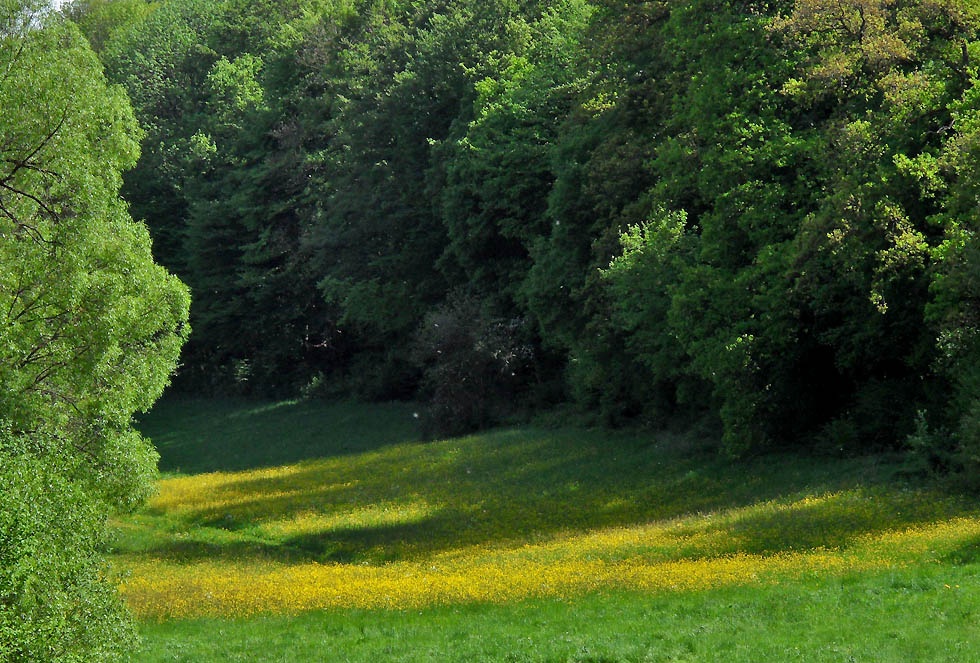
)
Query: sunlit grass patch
[
  {"x": 915, "y": 613},
  {"x": 687, "y": 555},
  {"x": 513, "y": 515}
]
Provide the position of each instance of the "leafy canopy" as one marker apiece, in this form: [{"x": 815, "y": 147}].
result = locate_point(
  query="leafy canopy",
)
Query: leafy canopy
[{"x": 90, "y": 329}]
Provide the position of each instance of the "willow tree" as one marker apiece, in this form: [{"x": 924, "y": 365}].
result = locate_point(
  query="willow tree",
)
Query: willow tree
[{"x": 90, "y": 329}]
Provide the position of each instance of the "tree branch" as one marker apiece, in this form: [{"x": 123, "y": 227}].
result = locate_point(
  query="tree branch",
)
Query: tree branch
[
  {"x": 41, "y": 204},
  {"x": 23, "y": 163}
]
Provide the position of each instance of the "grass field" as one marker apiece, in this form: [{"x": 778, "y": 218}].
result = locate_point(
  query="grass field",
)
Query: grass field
[{"x": 299, "y": 531}]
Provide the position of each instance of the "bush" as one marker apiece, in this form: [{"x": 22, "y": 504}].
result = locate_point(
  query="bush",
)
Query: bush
[
  {"x": 55, "y": 605},
  {"x": 968, "y": 446},
  {"x": 472, "y": 366}
]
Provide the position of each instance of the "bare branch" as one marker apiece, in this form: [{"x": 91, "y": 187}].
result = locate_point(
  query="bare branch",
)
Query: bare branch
[
  {"x": 13, "y": 60},
  {"x": 23, "y": 163},
  {"x": 31, "y": 196},
  {"x": 30, "y": 166},
  {"x": 21, "y": 226}
]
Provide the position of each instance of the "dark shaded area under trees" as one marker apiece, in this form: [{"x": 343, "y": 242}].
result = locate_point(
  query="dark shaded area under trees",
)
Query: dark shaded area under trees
[{"x": 760, "y": 212}]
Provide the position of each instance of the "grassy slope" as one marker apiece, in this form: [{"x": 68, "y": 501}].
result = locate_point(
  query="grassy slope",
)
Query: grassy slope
[
  {"x": 207, "y": 435},
  {"x": 902, "y": 617},
  {"x": 380, "y": 502}
]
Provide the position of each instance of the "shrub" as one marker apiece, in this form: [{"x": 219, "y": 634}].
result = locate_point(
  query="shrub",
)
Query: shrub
[{"x": 472, "y": 365}]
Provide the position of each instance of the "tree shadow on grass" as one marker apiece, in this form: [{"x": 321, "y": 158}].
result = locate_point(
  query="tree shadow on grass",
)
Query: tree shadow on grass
[
  {"x": 966, "y": 554},
  {"x": 208, "y": 435},
  {"x": 191, "y": 551},
  {"x": 505, "y": 488},
  {"x": 834, "y": 521},
  {"x": 375, "y": 544}
]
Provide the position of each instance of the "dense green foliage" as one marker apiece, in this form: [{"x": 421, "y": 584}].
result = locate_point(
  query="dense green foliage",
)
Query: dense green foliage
[
  {"x": 760, "y": 212},
  {"x": 90, "y": 329}
]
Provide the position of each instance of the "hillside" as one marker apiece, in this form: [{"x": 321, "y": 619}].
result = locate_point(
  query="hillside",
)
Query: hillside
[{"x": 558, "y": 523}]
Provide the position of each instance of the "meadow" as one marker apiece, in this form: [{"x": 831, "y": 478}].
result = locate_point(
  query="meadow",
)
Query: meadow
[{"x": 300, "y": 531}]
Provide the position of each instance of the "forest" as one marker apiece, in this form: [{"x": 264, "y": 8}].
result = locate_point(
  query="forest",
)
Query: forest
[
  {"x": 761, "y": 214},
  {"x": 755, "y": 220}
]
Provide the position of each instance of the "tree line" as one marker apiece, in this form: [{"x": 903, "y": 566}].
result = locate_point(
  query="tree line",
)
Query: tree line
[{"x": 762, "y": 213}]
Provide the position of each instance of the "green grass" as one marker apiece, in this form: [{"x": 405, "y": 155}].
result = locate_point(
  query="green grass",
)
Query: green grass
[
  {"x": 378, "y": 500},
  {"x": 916, "y": 615},
  {"x": 205, "y": 435}
]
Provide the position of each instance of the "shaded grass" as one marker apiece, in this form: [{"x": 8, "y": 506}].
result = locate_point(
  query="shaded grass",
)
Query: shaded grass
[{"x": 206, "y": 435}]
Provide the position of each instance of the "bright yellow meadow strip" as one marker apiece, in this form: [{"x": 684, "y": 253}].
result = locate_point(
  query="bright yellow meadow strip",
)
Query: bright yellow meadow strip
[
  {"x": 218, "y": 589},
  {"x": 172, "y": 590}
]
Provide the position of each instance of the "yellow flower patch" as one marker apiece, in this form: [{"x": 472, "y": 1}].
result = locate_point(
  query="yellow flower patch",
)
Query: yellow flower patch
[{"x": 450, "y": 522}]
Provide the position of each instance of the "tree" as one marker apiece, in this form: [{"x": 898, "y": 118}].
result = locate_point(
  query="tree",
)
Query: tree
[
  {"x": 222, "y": 180},
  {"x": 90, "y": 330},
  {"x": 399, "y": 91},
  {"x": 99, "y": 19}
]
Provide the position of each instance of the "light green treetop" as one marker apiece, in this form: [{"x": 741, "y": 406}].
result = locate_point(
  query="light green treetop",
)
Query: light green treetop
[{"x": 90, "y": 330}]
